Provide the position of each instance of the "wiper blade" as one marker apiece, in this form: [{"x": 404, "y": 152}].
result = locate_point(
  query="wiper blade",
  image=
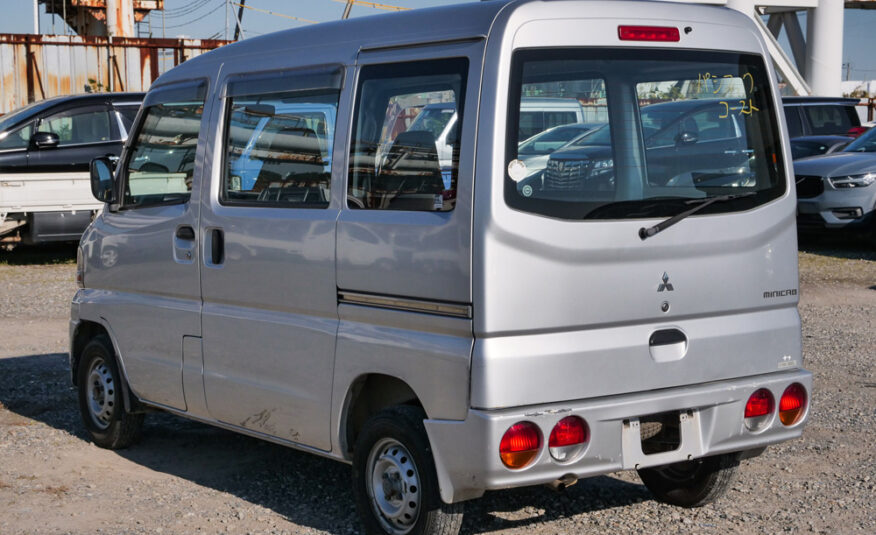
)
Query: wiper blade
[{"x": 646, "y": 233}]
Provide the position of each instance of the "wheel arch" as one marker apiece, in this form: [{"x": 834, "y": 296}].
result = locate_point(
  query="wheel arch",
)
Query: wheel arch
[
  {"x": 367, "y": 395},
  {"x": 85, "y": 332}
]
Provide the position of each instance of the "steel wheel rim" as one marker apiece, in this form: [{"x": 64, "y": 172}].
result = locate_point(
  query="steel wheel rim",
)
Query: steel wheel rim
[
  {"x": 101, "y": 398},
  {"x": 393, "y": 485}
]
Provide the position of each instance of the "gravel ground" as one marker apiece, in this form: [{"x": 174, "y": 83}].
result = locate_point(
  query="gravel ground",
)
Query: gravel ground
[{"x": 186, "y": 477}]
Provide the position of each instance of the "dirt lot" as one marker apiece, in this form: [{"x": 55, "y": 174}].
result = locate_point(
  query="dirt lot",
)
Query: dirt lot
[{"x": 187, "y": 478}]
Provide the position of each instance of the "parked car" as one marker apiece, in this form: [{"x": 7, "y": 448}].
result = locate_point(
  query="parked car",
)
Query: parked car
[
  {"x": 449, "y": 349},
  {"x": 835, "y": 191},
  {"x": 687, "y": 142},
  {"x": 45, "y": 152},
  {"x": 806, "y": 146},
  {"x": 821, "y": 116}
]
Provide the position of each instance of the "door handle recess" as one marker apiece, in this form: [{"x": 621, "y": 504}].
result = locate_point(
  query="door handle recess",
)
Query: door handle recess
[
  {"x": 666, "y": 337},
  {"x": 185, "y": 232},
  {"x": 667, "y": 345},
  {"x": 217, "y": 246}
]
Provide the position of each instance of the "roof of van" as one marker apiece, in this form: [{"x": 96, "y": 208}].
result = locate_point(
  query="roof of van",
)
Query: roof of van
[{"x": 342, "y": 40}]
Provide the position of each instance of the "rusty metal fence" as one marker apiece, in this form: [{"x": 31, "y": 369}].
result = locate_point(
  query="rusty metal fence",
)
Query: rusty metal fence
[{"x": 35, "y": 67}]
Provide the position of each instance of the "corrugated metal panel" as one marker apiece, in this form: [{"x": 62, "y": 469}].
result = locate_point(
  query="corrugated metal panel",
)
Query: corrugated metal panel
[{"x": 35, "y": 67}]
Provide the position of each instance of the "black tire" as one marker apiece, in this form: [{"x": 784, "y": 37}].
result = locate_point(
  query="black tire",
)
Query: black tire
[
  {"x": 100, "y": 398},
  {"x": 393, "y": 444},
  {"x": 692, "y": 483}
]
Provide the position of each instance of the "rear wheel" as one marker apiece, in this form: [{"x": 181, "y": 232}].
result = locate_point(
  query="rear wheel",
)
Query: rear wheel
[
  {"x": 394, "y": 479},
  {"x": 692, "y": 483},
  {"x": 100, "y": 398}
]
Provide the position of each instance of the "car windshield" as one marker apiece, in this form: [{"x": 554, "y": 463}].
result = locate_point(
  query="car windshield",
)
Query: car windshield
[
  {"x": 865, "y": 143},
  {"x": 696, "y": 125},
  {"x": 553, "y": 138},
  {"x": 433, "y": 120}
]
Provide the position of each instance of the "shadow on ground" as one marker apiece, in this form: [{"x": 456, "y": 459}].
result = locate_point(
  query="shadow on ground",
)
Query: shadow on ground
[
  {"x": 305, "y": 489},
  {"x": 849, "y": 246},
  {"x": 25, "y": 255}
]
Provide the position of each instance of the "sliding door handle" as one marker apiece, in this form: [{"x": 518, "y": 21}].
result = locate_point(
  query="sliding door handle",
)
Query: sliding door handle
[{"x": 217, "y": 246}]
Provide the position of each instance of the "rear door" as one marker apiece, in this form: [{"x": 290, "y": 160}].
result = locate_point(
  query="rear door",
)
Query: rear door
[{"x": 268, "y": 280}]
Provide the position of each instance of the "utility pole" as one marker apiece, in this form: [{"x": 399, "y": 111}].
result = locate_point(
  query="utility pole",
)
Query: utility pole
[
  {"x": 226, "y": 19},
  {"x": 347, "y": 9},
  {"x": 36, "y": 17},
  {"x": 238, "y": 29}
]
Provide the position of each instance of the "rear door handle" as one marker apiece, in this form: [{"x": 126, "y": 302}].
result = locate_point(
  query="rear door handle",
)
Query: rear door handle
[{"x": 185, "y": 232}]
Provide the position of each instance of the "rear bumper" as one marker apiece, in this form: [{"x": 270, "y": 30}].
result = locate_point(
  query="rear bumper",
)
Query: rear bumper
[{"x": 467, "y": 452}]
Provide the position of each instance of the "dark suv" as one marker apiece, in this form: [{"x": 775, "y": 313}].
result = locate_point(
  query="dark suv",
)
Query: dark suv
[
  {"x": 45, "y": 152},
  {"x": 821, "y": 116}
]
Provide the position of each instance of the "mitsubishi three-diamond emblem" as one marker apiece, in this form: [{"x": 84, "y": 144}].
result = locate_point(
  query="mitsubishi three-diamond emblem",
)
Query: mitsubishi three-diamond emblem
[{"x": 666, "y": 285}]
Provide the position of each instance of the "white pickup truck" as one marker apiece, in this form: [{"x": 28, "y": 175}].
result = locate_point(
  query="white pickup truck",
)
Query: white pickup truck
[{"x": 45, "y": 152}]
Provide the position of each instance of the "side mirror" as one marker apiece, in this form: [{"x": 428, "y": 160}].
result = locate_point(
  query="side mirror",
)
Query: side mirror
[
  {"x": 686, "y": 138},
  {"x": 102, "y": 180},
  {"x": 45, "y": 140}
]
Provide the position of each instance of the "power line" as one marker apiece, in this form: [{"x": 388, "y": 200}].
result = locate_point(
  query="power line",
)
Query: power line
[
  {"x": 215, "y": 9},
  {"x": 269, "y": 12},
  {"x": 373, "y": 5}
]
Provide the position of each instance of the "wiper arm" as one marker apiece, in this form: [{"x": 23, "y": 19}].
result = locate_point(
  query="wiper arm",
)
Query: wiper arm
[{"x": 645, "y": 233}]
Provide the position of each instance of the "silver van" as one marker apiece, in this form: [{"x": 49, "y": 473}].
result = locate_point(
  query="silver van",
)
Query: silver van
[{"x": 280, "y": 255}]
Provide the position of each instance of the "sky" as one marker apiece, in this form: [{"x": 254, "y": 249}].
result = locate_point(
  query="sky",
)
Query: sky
[{"x": 207, "y": 18}]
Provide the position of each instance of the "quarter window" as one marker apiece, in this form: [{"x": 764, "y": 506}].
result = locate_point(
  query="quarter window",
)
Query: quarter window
[
  {"x": 278, "y": 149},
  {"x": 161, "y": 159},
  {"x": 405, "y": 148}
]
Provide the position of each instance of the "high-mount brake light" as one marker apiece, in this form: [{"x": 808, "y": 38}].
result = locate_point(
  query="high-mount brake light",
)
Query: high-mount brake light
[
  {"x": 648, "y": 33},
  {"x": 759, "y": 410},
  {"x": 568, "y": 438},
  {"x": 792, "y": 405},
  {"x": 520, "y": 445}
]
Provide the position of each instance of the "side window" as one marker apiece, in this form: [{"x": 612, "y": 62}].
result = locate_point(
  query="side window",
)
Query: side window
[
  {"x": 78, "y": 126},
  {"x": 401, "y": 157},
  {"x": 127, "y": 114},
  {"x": 17, "y": 139},
  {"x": 161, "y": 159},
  {"x": 278, "y": 149}
]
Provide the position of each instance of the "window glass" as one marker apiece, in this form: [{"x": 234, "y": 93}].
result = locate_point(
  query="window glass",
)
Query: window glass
[
  {"x": 828, "y": 119},
  {"x": 162, "y": 157},
  {"x": 16, "y": 139},
  {"x": 79, "y": 126},
  {"x": 278, "y": 149},
  {"x": 686, "y": 125},
  {"x": 792, "y": 117},
  {"x": 128, "y": 114},
  {"x": 405, "y": 148}
]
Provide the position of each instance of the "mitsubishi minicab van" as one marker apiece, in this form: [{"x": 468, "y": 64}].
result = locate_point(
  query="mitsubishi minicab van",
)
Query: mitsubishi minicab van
[{"x": 280, "y": 255}]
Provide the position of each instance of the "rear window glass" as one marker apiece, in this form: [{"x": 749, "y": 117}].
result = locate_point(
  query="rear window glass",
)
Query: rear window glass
[
  {"x": 828, "y": 119},
  {"x": 671, "y": 129}
]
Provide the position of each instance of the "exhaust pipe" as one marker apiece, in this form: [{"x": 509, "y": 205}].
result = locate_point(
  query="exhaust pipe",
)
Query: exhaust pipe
[{"x": 563, "y": 483}]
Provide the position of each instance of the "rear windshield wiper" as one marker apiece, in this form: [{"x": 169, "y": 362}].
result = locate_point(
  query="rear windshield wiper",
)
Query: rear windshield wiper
[{"x": 645, "y": 233}]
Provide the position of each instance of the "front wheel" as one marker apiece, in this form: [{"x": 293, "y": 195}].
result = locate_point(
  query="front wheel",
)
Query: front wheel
[
  {"x": 394, "y": 479},
  {"x": 100, "y": 398},
  {"x": 692, "y": 483}
]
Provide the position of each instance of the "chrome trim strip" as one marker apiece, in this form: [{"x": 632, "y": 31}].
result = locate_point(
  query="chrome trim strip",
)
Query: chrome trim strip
[{"x": 440, "y": 308}]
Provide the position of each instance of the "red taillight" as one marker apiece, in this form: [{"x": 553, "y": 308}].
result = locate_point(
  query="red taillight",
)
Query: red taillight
[
  {"x": 648, "y": 33},
  {"x": 568, "y": 438},
  {"x": 759, "y": 410},
  {"x": 856, "y": 131},
  {"x": 520, "y": 445},
  {"x": 759, "y": 404},
  {"x": 792, "y": 405}
]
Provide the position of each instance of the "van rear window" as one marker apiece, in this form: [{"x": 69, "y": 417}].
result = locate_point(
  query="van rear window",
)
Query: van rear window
[{"x": 659, "y": 131}]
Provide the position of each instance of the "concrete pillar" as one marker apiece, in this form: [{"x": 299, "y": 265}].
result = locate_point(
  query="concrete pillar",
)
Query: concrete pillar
[
  {"x": 824, "y": 40},
  {"x": 120, "y": 18}
]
